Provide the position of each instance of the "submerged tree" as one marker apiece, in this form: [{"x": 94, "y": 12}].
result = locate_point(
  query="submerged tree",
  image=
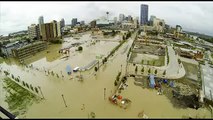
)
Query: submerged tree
[
  {"x": 156, "y": 71},
  {"x": 96, "y": 69},
  {"x": 164, "y": 73},
  {"x": 136, "y": 69},
  {"x": 142, "y": 70},
  {"x": 149, "y": 70},
  {"x": 36, "y": 89}
]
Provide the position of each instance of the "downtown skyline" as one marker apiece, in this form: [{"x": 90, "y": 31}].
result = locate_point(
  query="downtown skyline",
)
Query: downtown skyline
[{"x": 16, "y": 16}]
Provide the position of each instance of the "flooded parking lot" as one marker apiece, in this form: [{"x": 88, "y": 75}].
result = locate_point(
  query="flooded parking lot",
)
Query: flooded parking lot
[{"x": 84, "y": 97}]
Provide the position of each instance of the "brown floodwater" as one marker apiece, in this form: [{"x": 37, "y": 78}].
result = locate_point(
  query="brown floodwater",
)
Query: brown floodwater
[{"x": 90, "y": 91}]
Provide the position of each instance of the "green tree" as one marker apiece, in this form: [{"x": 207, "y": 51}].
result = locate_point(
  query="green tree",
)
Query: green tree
[
  {"x": 36, "y": 89},
  {"x": 31, "y": 87},
  {"x": 80, "y": 48},
  {"x": 124, "y": 37},
  {"x": 142, "y": 61},
  {"x": 23, "y": 83},
  {"x": 149, "y": 70},
  {"x": 156, "y": 71},
  {"x": 27, "y": 85},
  {"x": 12, "y": 76},
  {"x": 164, "y": 73},
  {"x": 179, "y": 61},
  {"x": 142, "y": 70},
  {"x": 96, "y": 69},
  {"x": 115, "y": 83},
  {"x": 136, "y": 69}
]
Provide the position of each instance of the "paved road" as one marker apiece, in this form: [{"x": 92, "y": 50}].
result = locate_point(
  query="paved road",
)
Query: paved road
[
  {"x": 207, "y": 77},
  {"x": 174, "y": 70}
]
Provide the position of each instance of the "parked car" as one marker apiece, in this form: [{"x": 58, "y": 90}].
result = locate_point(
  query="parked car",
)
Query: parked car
[{"x": 76, "y": 69}]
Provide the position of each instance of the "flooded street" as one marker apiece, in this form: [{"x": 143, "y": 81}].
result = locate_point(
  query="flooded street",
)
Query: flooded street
[{"x": 84, "y": 97}]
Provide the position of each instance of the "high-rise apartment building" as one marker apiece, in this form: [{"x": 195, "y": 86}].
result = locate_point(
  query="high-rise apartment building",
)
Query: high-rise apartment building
[
  {"x": 144, "y": 14},
  {"x": 47, "y": 31},
  {"x": 33, "y": 31},
  {"x": 55, "y": 30}
]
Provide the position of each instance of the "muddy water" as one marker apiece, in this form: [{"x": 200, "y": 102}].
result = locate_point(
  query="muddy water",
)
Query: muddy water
[
  {"x": 90, "y": 91},
  {"x": 157, "y": 106}
]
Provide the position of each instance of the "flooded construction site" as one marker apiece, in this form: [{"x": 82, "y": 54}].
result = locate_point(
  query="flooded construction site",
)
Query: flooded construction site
[{"x": 78, "y": 83}]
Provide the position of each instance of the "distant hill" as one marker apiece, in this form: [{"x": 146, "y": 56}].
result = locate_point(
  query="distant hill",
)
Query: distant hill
[
  {"x": 207, "y": 38},
  {"x": 199, "y": 34}
]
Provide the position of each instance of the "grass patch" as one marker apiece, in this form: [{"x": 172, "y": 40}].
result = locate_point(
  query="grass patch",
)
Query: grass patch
[
  {"x": 142, "y": 60},
  {"x": 191, "y": 71},
  {"x": 1, "y": 60},
  {"x": 18, "y": 98}
]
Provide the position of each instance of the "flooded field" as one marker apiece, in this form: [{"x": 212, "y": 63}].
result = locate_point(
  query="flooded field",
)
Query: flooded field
[
  {"x": 157, "y": 106},
  {"x": 191, "y": 71},
  {"x": 147, "y": 59},
  {"x": 67, "y": 97}
]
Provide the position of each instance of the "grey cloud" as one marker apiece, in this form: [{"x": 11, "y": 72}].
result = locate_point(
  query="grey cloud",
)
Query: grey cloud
[{"x": 15, "y": 16}]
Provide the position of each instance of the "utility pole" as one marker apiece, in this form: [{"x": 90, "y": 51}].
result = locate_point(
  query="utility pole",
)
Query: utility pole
[
  {"x": 121, "y": 68},
  {"x": 104, "y": 93},
  {"x": 64, "y": 100},
  {"x": 126, "y": 67}
]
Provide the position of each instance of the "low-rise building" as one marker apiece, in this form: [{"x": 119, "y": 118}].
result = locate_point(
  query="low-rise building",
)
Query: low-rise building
[
  {"x": 7, "y": 49},
  {"x": 29, "y": 50}
]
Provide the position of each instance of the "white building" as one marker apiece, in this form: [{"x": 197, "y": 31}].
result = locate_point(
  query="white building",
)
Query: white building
[
  {"x": 59, "y": 29},
  {"x": 115, "y": 20},
  {"x": 33, "y": 31},
  {"x": 104, "y": 22},
  {"x": 158, "y": 24},
  {"x": 121, "y": 17}
]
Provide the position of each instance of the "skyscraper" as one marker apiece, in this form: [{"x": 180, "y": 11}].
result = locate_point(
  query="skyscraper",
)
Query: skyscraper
[
  {"x": 144, "y": 14},
  {"x": 62, "y": 22},
  {"x": 74, "y": 21},
  {"x": 40, "y": 21}
]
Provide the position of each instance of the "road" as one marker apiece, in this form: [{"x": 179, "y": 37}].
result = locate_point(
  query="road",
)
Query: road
[
  {"x": 174, "y": 70},
  {"x": 207, "y": 77}
]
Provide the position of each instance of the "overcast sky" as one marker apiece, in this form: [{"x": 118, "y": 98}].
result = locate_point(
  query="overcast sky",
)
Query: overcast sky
[{"x": 192, "y": 16}]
